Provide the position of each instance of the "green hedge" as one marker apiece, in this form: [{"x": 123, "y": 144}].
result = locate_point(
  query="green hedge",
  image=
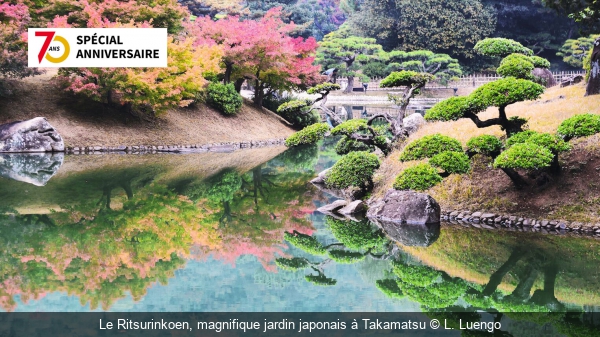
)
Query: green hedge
[
  {"x": 309, "y": 135},
  {"x": 451, "y": 162},
  {"x": 418, "y": 178},
  {"x": 524, "y": 156},
  {"x": 429, "y": 146},
  {"x": 580, "y": 126},
  {"x": 354, "y": 169},
  {"x": 224, "y": 98},
  {"x": 485, "y": 144}
]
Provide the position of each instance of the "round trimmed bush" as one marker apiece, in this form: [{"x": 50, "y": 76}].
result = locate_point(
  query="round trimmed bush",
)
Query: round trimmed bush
[
  {"x": 452, "y": 108},
  {"x": 305, "y": 242},
  {"x": 580, "y": 126},
  {"x": 224, "y": 98},
  {"x": 405, "y": 78},
  {"x": 516, "y": 65},
  {"x": 299, "y": 113},
  {"x": 539, "y": 62},
  {"x": 309, "y": 135},
  {"x": 524, "y": 156},
  {"x": 519, "y": 138},
  {"x": 451, "y": 162},
  {"x": 500, "y": 47},
  {"x": 349, "y": 127},
  {"x": 356, "y": 235},
  {"x": 506, "y": 91},
  {"x": 429, "y": 146},
  {"x": 354, "y": 169},
  {"x": 552, "y": 142},
  {"x": 291, "y": 264},
  {"x": 346, "y": 145},
  {"x": 487, "y": 145},
  {"x": 418, "y": 178}
]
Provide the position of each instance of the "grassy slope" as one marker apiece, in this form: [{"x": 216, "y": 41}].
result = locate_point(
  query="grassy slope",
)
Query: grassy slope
[
  {"x": 572, "y": 196},
  {"x": 94, "y": 125}
]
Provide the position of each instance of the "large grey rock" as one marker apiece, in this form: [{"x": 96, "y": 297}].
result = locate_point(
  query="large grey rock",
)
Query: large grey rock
[
  {"x": 411, "y": 235},
  {"x": 546, "y": 75},
  {"x": 320, "y": 179},
  {"x": 354, "y": 207},
  {"x": 32, "y": 168},
  {"x": 334, "y": 206},
  {"x": 405, "y": 207},
  {"x": 413, "y": 122},
  {"x": 34, "y": 135}
]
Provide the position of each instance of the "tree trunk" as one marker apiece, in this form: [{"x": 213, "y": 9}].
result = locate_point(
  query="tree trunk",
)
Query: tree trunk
[
  {"x": 515, "y": 177},
  {"x": 228, "y": 71},
  {"x": 593, "y": 85},
  {"x": 496, "y": 278},
  {"x": 238, "y": 84},
  {"x": 350, "y": 85},
  {"x": 259, "y": 93},
  {"x": 523, "y": 289}
]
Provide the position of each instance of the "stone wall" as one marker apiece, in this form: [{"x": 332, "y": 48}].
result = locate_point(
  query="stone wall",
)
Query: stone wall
[{"x": 187, "y": 148}]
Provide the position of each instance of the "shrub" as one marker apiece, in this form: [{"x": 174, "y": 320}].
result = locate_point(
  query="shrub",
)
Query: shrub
[
  {"x": 224, "y": 98},
  {"x": 539, "y": 62},
  {"x": 429, "y": 146},
  {"x": 552, "y": 142},
  {"x": 354, "y": 169},
  {"x": 405, "y": 78},
  {"x": 419, "y": 178},
  {"x": 309, "y": 135},
  {"x": 500, "y": 47},
  {"x": 298, "y": 112},
  {"x": 519, "y": 138},
  {"x": 579, "y": 126},
  {"x": 346, "y": 145},
  {"x": 524, "y": 156},
  {"x": 291, "y": 264},
  {"x": 451, "y": 162},
  {"x": 320, "y": 280},
  {"x": 506, "y": 91},
  {"x": 349, "y": 127},
  {"x": 486, "y": 145},
  {"x": 224, "y": 186},
  {"x": 516, "y": 65},
  {"x": 389, "y": 287},
  {"x": 345, "y": 257},
  {"x": 452, "y": 108},
  {"x": 419, "y": 276},
  {"x": 356, "y": 235},
  {"x": 305, "y": 242}
]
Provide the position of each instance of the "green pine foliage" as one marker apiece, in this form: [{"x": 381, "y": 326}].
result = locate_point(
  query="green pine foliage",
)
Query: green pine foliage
[
  {"x": 539, "y": 62},
  {"x": 451, "y": 162},
  {"x": 354, "y": 169},
  {"x": 224, "y": 98},
  {"x": 320, "y": 280},
  {"x": 346, "y": 145},
  {"x": 506, "y": 91},
  {"x": 580, "y": 126},
  {"x": 298, "y": 112},
  {"x": 356, "y": 235},
  {"x": 452, "y": 108},
  {"x": 390, "y": 288},
  {"x": 486, "y": 144},
  {"x": 345, "y": 257},
  {"x": 405, "y": 78},
  {"x": 309, "y": 135},
  {"x": 291, "y": 264},
  {"x": 418, "y": 178},
  {"x": 526, "y": 156},
  {"x": 415, "y": 275},
  {"x": 500, "y": 47},
  {"x": 520, "y": 137},
  {"x": 429, "y": 146},
  {"x": 574, "y": 51},
  {"x": 516, "y": 65},
  {"x": 305, "y": 242}
]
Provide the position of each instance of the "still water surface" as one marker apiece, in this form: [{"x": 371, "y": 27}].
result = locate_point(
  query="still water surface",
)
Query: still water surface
[{"x": 240, "y": 232}]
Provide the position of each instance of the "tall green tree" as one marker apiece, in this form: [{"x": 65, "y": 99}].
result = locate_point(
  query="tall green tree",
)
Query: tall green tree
[
  {"x": 451, "y": 27},
  {"x": 586, "y": 12},
  {"x": 342, "y": 50}
]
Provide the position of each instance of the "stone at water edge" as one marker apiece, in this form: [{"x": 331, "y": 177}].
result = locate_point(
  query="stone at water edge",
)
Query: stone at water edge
[
  {"x": 320, "y": 179},
  {"x": 411, "y": 235},
  {"x": 405, "y": 207},
  {"x": 32, "y": 168},
  {"x": 334, "y": 206},
  {"x": 354, "y": 207},
  {"x": 34, "y": 135}
]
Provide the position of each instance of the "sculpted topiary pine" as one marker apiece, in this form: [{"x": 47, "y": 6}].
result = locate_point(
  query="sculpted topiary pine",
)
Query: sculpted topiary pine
[
  {"x": 500, "y": 93},
  {"x": 500, "y": 47},
  {"x": 579, "y": 126}
]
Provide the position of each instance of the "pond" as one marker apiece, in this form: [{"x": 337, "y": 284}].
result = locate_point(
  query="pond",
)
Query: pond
[{"x": 240, "y": 232}]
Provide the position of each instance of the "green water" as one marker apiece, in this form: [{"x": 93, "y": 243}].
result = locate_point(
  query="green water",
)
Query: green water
[{"x": 240, "y": 232}]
